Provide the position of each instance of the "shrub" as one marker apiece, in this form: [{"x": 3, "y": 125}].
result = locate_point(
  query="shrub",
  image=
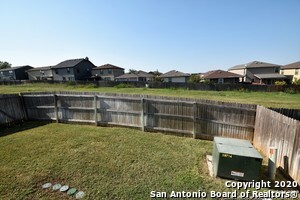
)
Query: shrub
[
  {"x": 280, "y": 83},
  {"x": 290, "y": 91},
  {"x": 207, "y": 82},
  {"x": 124, "y": 85},
  {"x": 70, "y": 83},
  {"x": 91, "y": 85},
  {"x": 194, "y": 79},
  {"x": 242, "y": 89},
  {"x": 296, "y": 82}
]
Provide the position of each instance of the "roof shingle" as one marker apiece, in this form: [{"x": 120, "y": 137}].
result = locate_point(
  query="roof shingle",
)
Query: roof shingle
[
  {"x": 14, "y": 68},
  {"x": 174, "y": 73},
  {"x": 108, "y": 66},
  {"x": 254, "y": 64},
  {"x": 220, "y": 74},
  {"x": 68, "y": 63},
  {"x": 295, "y": 65}
]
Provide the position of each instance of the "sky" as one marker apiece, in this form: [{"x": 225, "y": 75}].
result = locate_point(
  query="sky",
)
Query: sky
[{"x": 186, "y": 35}]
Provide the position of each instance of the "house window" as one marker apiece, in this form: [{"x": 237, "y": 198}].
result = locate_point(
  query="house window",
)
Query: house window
[
  {"x": 109, "y": 71},
  {"x": 221, "y": 80},
  {"x": 87, "y": 69},
  {"x": 56, "y": 71},
  {"x": 10, "y": 72},
  {"x": 1, "y": 73},
  {"x": 38, "y": 78},
  {"x": 276, "y": 70},
  {"x": 78, "y": 71},
  {"x": 296, "y": 71},
  {"x": 101, "y": 71},
  {"x": 64, "y": 78},
  {"x": 71, "y": 78},
  {"x": 68, "y": 70}
]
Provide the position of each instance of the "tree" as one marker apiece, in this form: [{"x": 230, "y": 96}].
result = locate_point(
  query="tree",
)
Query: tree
[
  {"x": 132, "y": 71},
  {"x": 4, "y": 65},
  {"x": 195, "y": 78},
  {"x": 156, "y": 76}
]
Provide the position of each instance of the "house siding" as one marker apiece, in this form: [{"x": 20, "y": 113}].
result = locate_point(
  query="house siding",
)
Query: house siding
[
  {"x": 38, "y": 75},
  {"x": 106, "y": 75},
  {"x": 291, "y": 73},
  {"x": 225, "y": 80},
  {"x": 6, "y": 75},
  {"x": 239, "y": 72},
  {"x": 264, "y": 70},
  {"x": 175, "y": 79},
  {"x": 62, "y": 74},
  {"x": 83, "y": 70},
  {"x": 127, "y": 79}
]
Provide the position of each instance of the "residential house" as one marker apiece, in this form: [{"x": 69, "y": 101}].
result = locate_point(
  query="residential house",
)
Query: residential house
[
  {"x": 107, "y": 72},
  {"x": 175, "y": 77},
  {"x": 291, "y": 71},
  {"x": 76, "y": 69},
  {"x": 258, "y": 72},
  {"x": 15, "y": 73},
  {"x": 135, "y": 76},
  {"x": 40, "y": 73},
  {"x": 220, "y": 76}
]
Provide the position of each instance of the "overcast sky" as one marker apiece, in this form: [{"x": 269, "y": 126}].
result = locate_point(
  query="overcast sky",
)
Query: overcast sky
[{"x": 185, "y": 35}]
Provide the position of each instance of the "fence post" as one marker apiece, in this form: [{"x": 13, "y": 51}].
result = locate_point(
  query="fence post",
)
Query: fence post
[
  {"x": 95, "y": 110},
  {"x": 23, "y": 106},
  {"x": 55, "y": 108},
  {"x": 194, "y": 120},
  {"x": 142, "y": 114}
]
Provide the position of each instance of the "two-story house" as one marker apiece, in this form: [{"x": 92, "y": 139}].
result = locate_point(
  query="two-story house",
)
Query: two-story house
[
  {"x": 15, "y": 73},
  {"x": 40, "y": 73},
  {"x": 107, "y": 72},
  {"x": 75, "y": 69},
  {"x": 292, "y": 71},
  {"x": 258, "y": 72}
]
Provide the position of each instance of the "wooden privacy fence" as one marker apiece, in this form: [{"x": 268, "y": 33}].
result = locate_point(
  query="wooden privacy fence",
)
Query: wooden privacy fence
[
  {"x": 11, "y": 109},
  {"x": 190, "y": 117},
  {"x": 275, "y": 129}
]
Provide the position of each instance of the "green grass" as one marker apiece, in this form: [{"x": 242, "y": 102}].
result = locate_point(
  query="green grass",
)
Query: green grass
[
  {"x": 104, "y": 162},
  {"x": 267, "y": 99}
]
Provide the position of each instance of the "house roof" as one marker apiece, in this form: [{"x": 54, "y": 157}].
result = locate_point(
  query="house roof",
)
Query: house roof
[
  {"x": 138, "y": 74},
  {"x": 108, "y": 66},
  {"x": 219, "y": 74},
  {"x": 254, "y": 64},
  {"x": 270, "y": 76},
  {"x": 68, "y": 63},
  {"x": 295, "y": 65},
  {"x": 39, "y": 68},
  {"x": 14, "y": 68},
  {"x": 174, "y": 73}
]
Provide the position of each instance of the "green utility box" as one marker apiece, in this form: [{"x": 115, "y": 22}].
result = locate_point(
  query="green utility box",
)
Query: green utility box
[{"x": 236, "y": 159}]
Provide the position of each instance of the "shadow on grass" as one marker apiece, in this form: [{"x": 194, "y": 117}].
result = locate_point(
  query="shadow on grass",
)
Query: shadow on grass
[{"x": 20, "y": 126}]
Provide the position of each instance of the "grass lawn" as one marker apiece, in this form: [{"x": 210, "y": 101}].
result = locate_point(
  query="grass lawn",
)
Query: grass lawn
[
  {"x": 104, "y": 162},
  {"x": 270, "y": 99}
]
